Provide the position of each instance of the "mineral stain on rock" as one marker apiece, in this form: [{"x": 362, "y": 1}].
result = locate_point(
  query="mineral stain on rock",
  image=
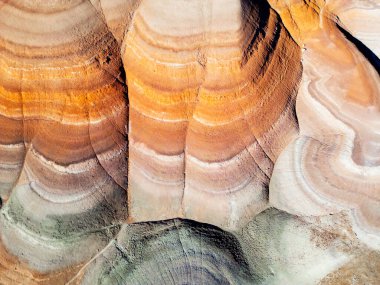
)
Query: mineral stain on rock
[{"x": 189, "y": 142}]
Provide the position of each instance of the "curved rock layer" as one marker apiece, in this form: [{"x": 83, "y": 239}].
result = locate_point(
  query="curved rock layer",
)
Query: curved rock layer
[
  {"x": 14, "y": 272},
  {"x": 117, "y": 15},
  {"x": 63, "y": 142},
  {"x": 211, "y": 91},
  {"x": 300, "y": 251},
  {"x": 335, "y": 163},
  {"x": 170, "y": 252},
  {"x": 360, "y": 18},
  {"x": 210, "y": 114}
]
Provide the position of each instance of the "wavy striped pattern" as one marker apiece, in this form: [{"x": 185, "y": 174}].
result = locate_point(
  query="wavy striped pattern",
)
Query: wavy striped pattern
[
  {"x": 189, "y": 142},
  {"x": 212, "y": 98},
  {"x": 334, "y": 165},
  {"x": 62, "y": 151}
]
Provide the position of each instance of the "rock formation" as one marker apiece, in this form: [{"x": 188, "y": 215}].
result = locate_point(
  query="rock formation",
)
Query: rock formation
[
  {"x": 189, "y": 142},
  {"x": 63, "y": 141},
  {"x": 212, "y": 92},
  {"x": 334, "y": 164}
]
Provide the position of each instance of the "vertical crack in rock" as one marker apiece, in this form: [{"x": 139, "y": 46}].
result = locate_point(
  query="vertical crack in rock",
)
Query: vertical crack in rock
[
  {"x": 212, "y": 95},
  {"x": 205, "y": 128}
]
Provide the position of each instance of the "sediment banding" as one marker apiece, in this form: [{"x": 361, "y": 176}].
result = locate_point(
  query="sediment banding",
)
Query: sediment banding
[{"x": 211, "y": 95}]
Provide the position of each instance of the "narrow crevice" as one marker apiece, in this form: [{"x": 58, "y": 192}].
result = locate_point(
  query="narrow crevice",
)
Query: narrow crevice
[
  {"x": 368, "y": 54},
  {"x": 250, "y": 10}
]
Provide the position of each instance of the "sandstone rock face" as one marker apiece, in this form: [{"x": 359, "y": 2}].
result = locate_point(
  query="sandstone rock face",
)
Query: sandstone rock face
[
  {"x": 335, "y": 160},
  {"x": 189, "y": 142},
  {"x": 63, "y": 117},
  {"x": 212, "y": 93}
]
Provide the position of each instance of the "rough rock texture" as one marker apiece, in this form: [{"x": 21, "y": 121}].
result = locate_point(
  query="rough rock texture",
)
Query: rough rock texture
[
  {"x": 62, "y": 143},
  {"x": 212, "y": 92},
  {"x": 189, "y": 142},
  {"x": 335, "y": 162}
]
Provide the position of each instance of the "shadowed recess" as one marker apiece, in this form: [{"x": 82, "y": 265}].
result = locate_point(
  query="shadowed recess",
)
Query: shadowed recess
[{"x": 369, "y": 55}]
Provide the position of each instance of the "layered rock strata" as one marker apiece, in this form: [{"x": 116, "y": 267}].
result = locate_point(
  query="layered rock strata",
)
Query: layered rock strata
[
  {"x": 119, "y": 118},
  {"x": 63, "y": 139},
  {"x": 334, "y": 164},
  {"x": 212, "y": 92}
]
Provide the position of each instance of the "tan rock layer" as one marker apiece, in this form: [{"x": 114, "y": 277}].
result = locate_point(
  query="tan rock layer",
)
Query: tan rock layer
[
  {"x": 62, "y": 151},
  {"x": 211, "y": 90},
  {"x": 211, "y": 106},
  {"x": 334, "y": 164}
]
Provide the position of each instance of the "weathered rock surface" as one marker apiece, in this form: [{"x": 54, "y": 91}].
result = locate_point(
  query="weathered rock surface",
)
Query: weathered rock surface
[
  {"x": 334, "y": 164},
  {"x": 212, "y": 92},
  {"x": 62, "y": 143},
  {"x": 189, "y": 142}
]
